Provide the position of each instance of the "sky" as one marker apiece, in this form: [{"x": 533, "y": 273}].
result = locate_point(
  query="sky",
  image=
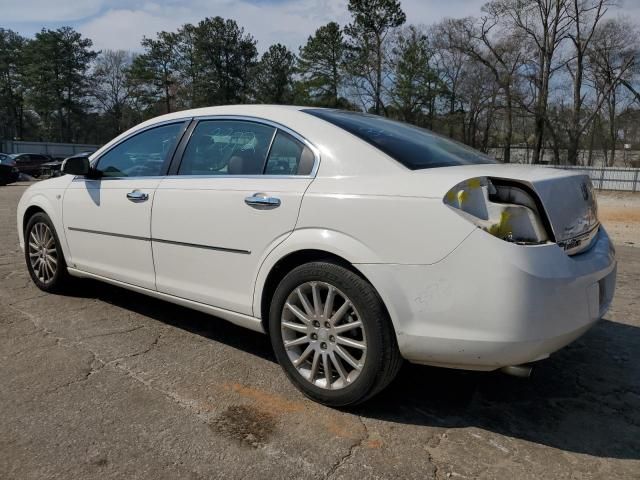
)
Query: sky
[{"x": 121, "y": 24}]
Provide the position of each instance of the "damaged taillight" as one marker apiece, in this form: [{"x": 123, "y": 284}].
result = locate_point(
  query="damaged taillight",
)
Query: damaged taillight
[{"x": 504, "y": 209}]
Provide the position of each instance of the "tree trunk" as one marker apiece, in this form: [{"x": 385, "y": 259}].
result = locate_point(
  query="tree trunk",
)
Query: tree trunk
[
  {"x": 378, "y": 87},
  {"x": 452, "y": 109},
  {"x": 612, "y": 127},
  {"x": 572, "y": 149},
  {"x": 509, "y": 133},
  {"x": 591, "y": 141},
  {"x": 538, "y": 141},
  {"x": 487, "y": 125}
]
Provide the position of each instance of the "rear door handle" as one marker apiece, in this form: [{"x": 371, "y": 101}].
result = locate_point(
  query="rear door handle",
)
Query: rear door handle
[
  {"x": 138, "y": 196},
  {"x": 262, "y": 201}
]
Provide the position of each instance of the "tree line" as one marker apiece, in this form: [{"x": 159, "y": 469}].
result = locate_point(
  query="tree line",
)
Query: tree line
[{"x": 554, "y": 75}]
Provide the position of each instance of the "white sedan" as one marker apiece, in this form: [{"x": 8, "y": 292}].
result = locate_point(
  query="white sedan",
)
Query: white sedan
[{"x": 352, "y": 240}]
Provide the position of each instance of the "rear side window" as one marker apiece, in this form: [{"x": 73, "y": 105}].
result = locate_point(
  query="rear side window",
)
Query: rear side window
[
  {"x": 288, "y": 156},
  {"x": 415, "y": 148},
  {"x": 227, "y": 147}
]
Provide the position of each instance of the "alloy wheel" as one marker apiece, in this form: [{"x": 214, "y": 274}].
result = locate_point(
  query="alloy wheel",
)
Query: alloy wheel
[
  {"x": 323, "y": 335},
  {"x": 43, "y": 255}
]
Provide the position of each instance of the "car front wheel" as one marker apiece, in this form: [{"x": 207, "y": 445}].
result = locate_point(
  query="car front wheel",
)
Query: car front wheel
[
  {"x": 44, "y": 257},
  {"x": 332, "y": 335}
]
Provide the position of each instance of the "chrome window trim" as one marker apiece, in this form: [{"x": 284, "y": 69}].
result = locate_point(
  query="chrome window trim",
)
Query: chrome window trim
[
  {"x": 94, "y": 161},
  {"x": 252, "y": 176},
  {"x": 246, "y": 118},
  {"x": 263, "y": 121}
]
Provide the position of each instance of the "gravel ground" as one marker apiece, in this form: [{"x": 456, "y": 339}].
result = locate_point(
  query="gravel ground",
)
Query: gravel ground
[{"x": 107, "y": 383}]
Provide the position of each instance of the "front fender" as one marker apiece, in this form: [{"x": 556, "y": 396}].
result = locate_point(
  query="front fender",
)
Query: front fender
[{"x": 49, "y": 201}]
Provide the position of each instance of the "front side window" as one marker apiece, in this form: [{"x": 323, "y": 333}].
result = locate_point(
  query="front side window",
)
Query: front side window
[
  {"x": 288, "y": 156},
  {"x": 413, "y": 147},
  {"x": 227, "y": 147},
  {"x": 142, "y": 155}
]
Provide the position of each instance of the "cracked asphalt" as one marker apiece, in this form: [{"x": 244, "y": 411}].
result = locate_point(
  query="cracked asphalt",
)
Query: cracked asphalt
[{"x": 106, "y": 383}]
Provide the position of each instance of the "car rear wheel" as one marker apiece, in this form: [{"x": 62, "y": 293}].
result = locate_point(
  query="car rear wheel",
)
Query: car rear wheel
[
  {"x": 44, "y": 257},
  {"x": 332, "y": 335}
]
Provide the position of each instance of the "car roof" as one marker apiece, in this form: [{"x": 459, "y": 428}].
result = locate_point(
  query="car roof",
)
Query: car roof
[{"x": 259, "y": 110}]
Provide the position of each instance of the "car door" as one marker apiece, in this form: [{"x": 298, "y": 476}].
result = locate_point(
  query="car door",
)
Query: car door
[
  {"x": 107, "y": 219},
  {"x": 235, "y": 195}
]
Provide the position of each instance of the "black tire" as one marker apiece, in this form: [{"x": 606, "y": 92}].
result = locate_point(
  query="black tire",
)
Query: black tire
[
  {"x": 383, "y": 359},
  {"x": 61, "y": 279}
]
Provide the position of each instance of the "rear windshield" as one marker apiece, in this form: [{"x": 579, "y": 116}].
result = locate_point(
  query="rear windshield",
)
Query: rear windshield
[{"x": 413, "y": 147}]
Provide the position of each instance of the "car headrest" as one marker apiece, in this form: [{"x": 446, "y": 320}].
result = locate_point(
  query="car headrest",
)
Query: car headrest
[
  {"x": 245, "y": 162},
  {"x": 307, "y": 160},
  {"x": 235, "y": 165}
]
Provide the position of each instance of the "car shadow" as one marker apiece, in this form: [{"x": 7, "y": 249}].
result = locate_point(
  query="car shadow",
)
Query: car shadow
[
  {"x": 584, "y": 399},
  {"x": 184, "y": 318}
]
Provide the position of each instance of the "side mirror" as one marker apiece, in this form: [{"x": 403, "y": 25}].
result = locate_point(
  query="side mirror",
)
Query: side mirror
[{"x": 76, "y": 166}]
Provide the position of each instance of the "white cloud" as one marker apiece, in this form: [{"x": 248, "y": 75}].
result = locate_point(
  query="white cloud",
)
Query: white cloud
[
  {"x": 48, "y": 10},
  {"x": 121, "y": 24},
  {"x": 124, "y": 29},
  {"x": 289, "y": 23}
]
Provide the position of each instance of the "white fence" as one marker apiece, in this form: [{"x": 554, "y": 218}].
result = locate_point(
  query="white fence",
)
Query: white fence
[{"x": 609, "y": 178}]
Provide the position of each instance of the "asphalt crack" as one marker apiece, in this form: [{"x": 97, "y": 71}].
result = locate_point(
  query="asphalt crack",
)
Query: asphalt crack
[{"x": 350, "y": 453}]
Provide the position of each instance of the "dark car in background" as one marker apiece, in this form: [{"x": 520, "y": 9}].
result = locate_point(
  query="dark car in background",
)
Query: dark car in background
[
  {"x": 52, "y": 168},
  {"x": 30, "y": 163},
  {"x": 9, "y": 173}
]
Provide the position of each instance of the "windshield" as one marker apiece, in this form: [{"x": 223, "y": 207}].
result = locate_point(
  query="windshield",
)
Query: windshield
[{"x": 413, "y": 147}]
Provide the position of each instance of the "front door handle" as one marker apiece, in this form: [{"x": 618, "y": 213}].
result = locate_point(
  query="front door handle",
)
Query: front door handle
[
  {"x": 262, "y": 201},
  {"x": 138, "y": 196}
]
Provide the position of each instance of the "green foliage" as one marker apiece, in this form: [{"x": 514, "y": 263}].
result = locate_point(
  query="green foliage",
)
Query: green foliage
[
  {"x": 11, "y": 87},
  {"x": 224, "y": 56},
  {"x": 56, "y": 78},
  {"x": 156, "y": 67},
  {"x": 415, "y": 83},
  {"x": 321, "y": 63},
  {"x": 366, "y": 56},
  {"x": 274, "y": 75},
  {"x": 375, "y": 17}
]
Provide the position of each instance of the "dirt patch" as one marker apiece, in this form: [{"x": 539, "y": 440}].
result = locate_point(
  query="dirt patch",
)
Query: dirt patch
[
  {"x": 619, "y": 212},
  {"x": 267, "y": 400},
  {"x": 248, "y": 425}
]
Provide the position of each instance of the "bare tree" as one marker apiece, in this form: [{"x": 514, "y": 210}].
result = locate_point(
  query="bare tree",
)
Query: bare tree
[
  {"x": 497, "y": 51},
  {"x": 585, "y": 16},
  {"x": 612, "y": 58},
  {"x": 110, "y": 86},
  {"x": 543, "y": 25},
  {"x": 450, "y": 61}
]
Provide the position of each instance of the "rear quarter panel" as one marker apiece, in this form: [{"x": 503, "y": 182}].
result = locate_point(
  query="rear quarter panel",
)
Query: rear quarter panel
[{"x": 390, "y": 228}]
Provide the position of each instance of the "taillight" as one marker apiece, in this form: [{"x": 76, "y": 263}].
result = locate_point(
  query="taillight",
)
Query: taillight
[{"x": 505, "y": 211}]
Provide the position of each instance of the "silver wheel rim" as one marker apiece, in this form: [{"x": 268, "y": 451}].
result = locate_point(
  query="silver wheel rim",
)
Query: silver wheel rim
[
  {"x": 323, "y": 335},
  {"x": 43, "y": 255}
]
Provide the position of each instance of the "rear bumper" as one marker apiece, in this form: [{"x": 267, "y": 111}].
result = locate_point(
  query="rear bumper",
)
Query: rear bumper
[{"x": 491, "y": 303}]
